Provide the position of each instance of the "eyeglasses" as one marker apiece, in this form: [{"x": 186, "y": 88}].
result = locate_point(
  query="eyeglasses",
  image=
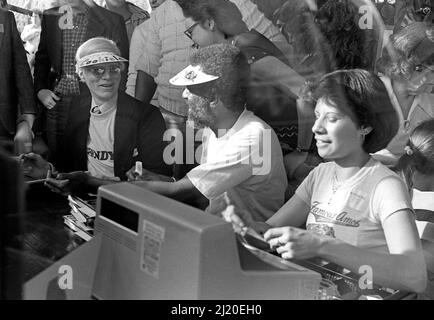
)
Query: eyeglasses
[
  {"x": 98, "y": 72},
  {"x": 189, "y": 31},
  {"x": 423, "y": 67}
]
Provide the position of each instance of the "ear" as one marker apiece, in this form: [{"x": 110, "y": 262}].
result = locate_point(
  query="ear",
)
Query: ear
[
  {"x": 215, "y": 98},
  {"x": 210, "y": 24},
  {"x": 215, "y": 102},
  {"x": 365, "y": 130}
]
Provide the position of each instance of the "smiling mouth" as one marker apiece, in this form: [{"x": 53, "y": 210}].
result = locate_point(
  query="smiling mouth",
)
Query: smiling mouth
[{"x": 322, "y": 142}]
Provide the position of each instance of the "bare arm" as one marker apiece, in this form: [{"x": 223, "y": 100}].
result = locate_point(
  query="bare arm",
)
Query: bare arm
[
  {"x": 180, "y": 190},
  {"x": 293, "y": 213},
  {"x": 404, "y": 268}
]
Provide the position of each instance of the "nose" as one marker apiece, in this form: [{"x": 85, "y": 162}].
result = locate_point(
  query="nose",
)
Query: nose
[
  {"x": 106, "y": 75},
  {"x": 318, "y": 126},
  {"x": 186, "y": 93}
]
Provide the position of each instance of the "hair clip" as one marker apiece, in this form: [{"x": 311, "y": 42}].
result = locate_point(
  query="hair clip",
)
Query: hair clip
[{"x": 408, "y": 150}]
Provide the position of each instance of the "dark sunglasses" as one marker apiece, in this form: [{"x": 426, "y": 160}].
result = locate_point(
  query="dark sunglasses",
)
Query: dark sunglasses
[{"x": 99, "y": 71}]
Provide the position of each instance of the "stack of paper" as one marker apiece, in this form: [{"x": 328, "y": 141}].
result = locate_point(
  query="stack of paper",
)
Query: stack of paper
[{"x": 81, "y": 218}]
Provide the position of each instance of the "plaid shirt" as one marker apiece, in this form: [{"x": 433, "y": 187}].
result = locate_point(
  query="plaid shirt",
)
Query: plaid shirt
[{"x": 71, "y": 39}]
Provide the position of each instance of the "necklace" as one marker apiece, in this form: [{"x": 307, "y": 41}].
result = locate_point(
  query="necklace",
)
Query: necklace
[{"x": 335, "y": 185}]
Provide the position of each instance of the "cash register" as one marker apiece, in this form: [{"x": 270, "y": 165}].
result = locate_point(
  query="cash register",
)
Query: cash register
[{"x": 153, "y": 247}]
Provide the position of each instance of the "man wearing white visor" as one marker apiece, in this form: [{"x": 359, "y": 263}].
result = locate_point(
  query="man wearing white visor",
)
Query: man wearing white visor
[
  {"x": 108, "y": 131},
  {"x": 241, "y": 157}
]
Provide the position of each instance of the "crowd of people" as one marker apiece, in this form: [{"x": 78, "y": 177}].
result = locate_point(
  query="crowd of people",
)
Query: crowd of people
[{"x": 307, "y": 124}]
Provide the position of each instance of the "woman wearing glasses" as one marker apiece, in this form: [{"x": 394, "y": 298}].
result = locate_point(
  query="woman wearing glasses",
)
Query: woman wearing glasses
[
  {"x": 108, "y": 130},
  {"x": 409, "y": 78},
  {"x": 274, "y": 86}
]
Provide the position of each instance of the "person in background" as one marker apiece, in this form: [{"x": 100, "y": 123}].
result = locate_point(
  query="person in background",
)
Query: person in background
[
  {"x": 416, "y": 166},
  {"x": 55, "y": 80},
  {"x": 132, "y": 14},
  {"x": 417, "y": 163},
  {"x": 408, "y": 73},
  {"x": 107, "y": 130},
  {"x": 269, "y": 7},
  {"x": 312, "y": 56},
  {"x": 30, "y": 36},
  {"x": 409, "y": 11},
  {"x": 241, "y": 158},
  {"x": 274, "y": 85},
  {"x": 351, "y": 210},
  {"x": 17, "y": 105}
]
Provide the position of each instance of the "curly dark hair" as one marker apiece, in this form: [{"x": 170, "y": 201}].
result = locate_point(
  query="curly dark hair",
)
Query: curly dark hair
[
  {"x": 230, "y": 65},
  {"x": 303, "y": 33},
  {"x": 338, "y": 21},
  {"x": 362, "y": 96},
  {"x": 412, "y": 46}
]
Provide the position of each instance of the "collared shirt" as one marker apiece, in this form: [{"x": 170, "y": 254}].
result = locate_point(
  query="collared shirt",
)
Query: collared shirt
[
  {"x": 100, "y": 161},
  {"x": 71, "y": 40}
]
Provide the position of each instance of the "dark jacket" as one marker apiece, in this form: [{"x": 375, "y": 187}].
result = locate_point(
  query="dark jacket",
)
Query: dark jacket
[
  {"x": 15, "y": 77},
  {"x": 137, "y": 125},
  {"x": 48, "y": 59}
]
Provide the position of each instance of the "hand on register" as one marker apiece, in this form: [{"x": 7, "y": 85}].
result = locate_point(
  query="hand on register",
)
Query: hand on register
[
  {"x": 288, "y": 242},
  {"x": 242, "y": 223}
]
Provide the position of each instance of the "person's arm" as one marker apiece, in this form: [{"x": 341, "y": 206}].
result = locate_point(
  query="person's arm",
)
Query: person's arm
[
  {"x": 77, "y": 182},
  {"x": 137, "y": 45},
  {"x": 293, "y": 213},
  {"x": 22, "y": 76},
  {"x": 402, "y": 268},
  {"x": 42, "y": 59},
  {"x": 148, "y": 64},
  {"x": 145, "y": 87},
  {"x": 272, "y": 70},
  {"x": 151, "y": 145},
  {"x": 180, "y": 190}
]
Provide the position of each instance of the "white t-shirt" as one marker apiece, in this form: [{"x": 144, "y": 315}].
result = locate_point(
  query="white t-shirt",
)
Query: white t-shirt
[
  {"x": 100, "y": 142},
  {"x": 356, "y": 210},
  {"x": 246, "y": 163}
]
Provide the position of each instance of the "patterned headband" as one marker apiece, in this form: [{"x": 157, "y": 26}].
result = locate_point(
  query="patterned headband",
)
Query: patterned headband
[{"x": 98, "y": 58}]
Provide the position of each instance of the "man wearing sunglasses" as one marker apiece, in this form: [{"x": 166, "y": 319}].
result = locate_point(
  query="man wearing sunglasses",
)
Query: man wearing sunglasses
[
  {"x": 108, "y": 130},
  {"x": 63, "y": 30}
]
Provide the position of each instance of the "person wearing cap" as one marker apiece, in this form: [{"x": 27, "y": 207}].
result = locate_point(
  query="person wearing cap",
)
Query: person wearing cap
[
  {"x": 274, "y": 87},
  {"x": 17, "y": 106},
  {"x": 408, "y": 75},
  {"x": 107, "y": 131},
  {"x": 241, "y": 157},
  {"x": 63, "y": 30},
  {"x": 159, "y": 50}
]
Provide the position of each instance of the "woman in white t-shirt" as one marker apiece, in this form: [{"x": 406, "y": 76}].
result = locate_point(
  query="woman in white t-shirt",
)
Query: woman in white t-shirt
[{"x": 356, "y": 211}]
